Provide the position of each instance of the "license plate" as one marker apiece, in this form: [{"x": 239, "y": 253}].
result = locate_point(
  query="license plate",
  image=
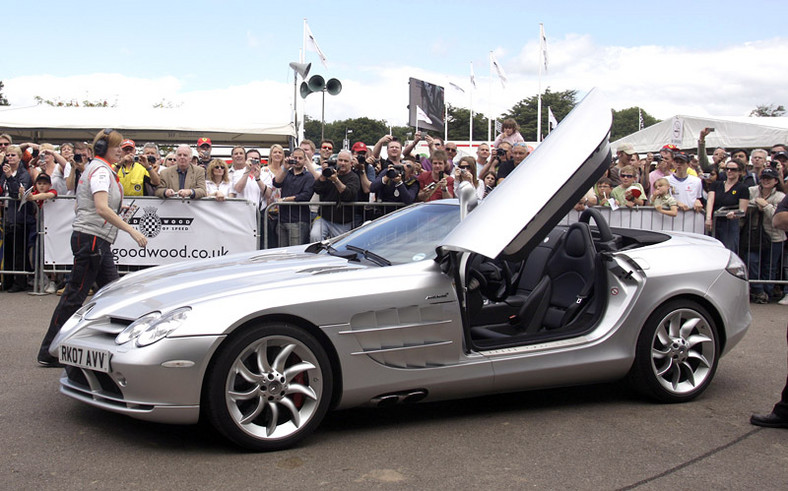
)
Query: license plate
[{"x": 90, "y": 358}]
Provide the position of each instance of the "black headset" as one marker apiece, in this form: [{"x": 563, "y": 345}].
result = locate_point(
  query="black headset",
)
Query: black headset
[{"x": 102, "y": 145}]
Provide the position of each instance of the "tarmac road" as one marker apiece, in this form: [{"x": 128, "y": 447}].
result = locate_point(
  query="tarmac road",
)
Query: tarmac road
[{"x": 595, "y": 437}]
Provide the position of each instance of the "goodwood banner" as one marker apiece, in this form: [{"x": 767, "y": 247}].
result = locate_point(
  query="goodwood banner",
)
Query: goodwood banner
[{"x": 177, "y": 230}]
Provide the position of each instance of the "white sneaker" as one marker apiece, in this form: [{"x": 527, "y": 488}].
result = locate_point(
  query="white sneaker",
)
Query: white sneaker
[
  {"x": 51, "y": 287},
  {"x": 784, "y": 300}
]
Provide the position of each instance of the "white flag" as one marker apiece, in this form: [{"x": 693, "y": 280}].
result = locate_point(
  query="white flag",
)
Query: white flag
[
  {"x": 422, "y": 116},
  {"x": 498, "y": 69},
  {"x": 311, "y": 44},
  {"x": 498, "y": 127},
  {"x": 473, "y": 77},
  {"x": 457, "y": 87},
  {"x": 551, "y": 121},
  {"x": 543, "y": 45}
]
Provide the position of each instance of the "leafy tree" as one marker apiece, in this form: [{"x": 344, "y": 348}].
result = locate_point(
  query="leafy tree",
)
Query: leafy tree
[
  {"x": 525, "y": 111},
  {"x": 72, "y": 103},
  {"x": 625, "y": 122},
  {"x": 459, "y": 119},
  {"x": 768, "y": 111},
  {"x": 3, "y": 100},
  {"x": 366, "y": 130}
]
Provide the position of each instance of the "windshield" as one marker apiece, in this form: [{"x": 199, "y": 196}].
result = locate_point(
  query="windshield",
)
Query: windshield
[{"x": 409, "y": 235}]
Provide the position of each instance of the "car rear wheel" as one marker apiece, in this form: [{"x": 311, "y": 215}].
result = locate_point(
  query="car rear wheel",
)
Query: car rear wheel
[
  {"x": 269, "y": 387},
  {"x": 677, "y": 352}
]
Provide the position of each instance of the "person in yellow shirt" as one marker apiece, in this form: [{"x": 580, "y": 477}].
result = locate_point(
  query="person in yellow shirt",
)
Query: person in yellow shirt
[{"x": 134, "y": 175}]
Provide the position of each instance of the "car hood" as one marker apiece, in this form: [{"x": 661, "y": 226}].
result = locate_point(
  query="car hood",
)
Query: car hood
[
  {"x": 534, "y": 198},
  {"x": 184, "y": 283}
]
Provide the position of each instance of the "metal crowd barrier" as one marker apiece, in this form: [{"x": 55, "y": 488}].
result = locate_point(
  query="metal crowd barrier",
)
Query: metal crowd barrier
[{"x": 641, "y": 217}]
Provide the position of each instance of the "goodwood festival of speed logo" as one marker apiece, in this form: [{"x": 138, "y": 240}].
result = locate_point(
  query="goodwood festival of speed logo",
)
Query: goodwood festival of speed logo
[{"x": 150, "y": 224}]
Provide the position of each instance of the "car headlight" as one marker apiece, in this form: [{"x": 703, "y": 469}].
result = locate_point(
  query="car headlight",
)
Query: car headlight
[
  {"x": 72, "y": 324},
  {"x": 152, "y": 327},
  {"x": 736, "y": 267}
]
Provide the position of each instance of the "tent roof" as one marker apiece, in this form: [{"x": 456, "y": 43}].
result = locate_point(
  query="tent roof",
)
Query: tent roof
[
  {"x": 164, "y": 126},
  {"x": 730, "y": 132}
]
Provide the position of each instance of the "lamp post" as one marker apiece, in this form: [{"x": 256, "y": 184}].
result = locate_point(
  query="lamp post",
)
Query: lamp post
[{"x": 346, "y": 141}]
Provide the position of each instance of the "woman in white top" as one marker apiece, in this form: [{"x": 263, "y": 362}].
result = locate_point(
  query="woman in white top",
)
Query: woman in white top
[
  {"x": 217, "y": 182},
  {"x": 466, "y": 171}
]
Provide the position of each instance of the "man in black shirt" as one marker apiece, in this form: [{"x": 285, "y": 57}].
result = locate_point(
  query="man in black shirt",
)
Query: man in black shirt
[
  {"x": 339, "y": 186},
  {"x": 297, "y": 185}
]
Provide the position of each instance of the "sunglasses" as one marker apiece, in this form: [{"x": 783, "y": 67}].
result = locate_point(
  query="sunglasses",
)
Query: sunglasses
[
  {"x": 171, "y": 159},
  {"x": 326, "y": 147},
  {"x": 731, "y": 169},
  {"x": 449, "y": 149},
  {"x": 627, "y": 175},
  {"x": 464, "y": 167},
  {"x": 4, "y": 144}
]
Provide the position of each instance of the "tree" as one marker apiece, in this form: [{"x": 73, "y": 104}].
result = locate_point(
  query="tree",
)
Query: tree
[
  {"x": 625, "y": 122},
  {"x": 525, "y": 111},
  {"x": 3, "y": 100},
  {"x": 764, "y": 111},
  {"x": 365, "y": 130},
  {"x": 459, "y": 119}
]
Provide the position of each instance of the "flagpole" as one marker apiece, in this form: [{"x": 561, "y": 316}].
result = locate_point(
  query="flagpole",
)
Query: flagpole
[
  {"x": 445, "y": 121},
  {"x": 470, "y": 137},
  {"x": 539, "y": 103},
  {"x": 489, "y": 116}
]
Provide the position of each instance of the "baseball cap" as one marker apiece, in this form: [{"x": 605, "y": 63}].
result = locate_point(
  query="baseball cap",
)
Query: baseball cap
[
  {"x": 359, "y": 147},
  {"x": 127, "y": 143},
  {"x": 627, "y": 148},
  {"x": 780, "y": 154},
  {"x": 44, "y": 177},
  {"x": 681, "y": 156},
  {"x": 769, "y": 172},
  {"x": 670, "y": 146},
  {"x": 203, "y": 141}
]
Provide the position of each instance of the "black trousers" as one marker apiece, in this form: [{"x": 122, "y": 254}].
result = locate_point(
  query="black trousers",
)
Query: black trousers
[
  {"x": 93, "y": 262},
  {"x": 781, "y": 408}
]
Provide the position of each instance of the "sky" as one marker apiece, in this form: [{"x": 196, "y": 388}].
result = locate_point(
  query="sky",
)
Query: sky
[{"x": 699, "y": 58}]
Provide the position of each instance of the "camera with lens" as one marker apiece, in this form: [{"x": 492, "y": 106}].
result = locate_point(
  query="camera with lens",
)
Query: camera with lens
[
  {"x": 136, "y": 158},
  {"x": 151, "y": 159},
  {"x": 394, "y": 171},
  {"x": 77, "y": 158},
  {"x": 291, "y": 161},
  {"x": 500, "y": 152},
  {"x": 328, "y": 172},
  {"x": 255, "y": 161}
]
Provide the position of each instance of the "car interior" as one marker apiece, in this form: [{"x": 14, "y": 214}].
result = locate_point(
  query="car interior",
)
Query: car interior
[{"x": 554, "y": 293}]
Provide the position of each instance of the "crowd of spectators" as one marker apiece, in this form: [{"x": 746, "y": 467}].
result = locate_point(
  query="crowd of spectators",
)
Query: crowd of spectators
[
  {"x": 734, "y": 189},
  {"x": 737, "y": 191}
]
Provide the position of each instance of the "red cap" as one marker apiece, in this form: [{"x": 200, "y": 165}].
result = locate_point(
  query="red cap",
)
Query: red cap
[
  {"x": 127, "y": 143},
  {"x": 670, "y": 147},
  {"x": 359, "y": 147},
  {"x": 203, "y": 141}
]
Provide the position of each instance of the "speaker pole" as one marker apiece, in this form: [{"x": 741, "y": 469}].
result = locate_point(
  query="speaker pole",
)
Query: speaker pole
[{"x": 323, "y": 117}]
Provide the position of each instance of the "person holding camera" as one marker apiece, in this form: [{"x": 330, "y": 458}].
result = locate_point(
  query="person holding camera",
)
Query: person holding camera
[
  {"x": 80, "y": 159},
  {"x": 497, "y": 158},
  {"x": 466, "y": 171},
  {"x": 134, "y": 176},
  {"x": 18, "y": 221},
  {"x": 396, "y": 184},
  {"x": 435, "y": 184},
  {"x": 296, "y": 184},
  {"x": 519, "y": 153},
  {"x": 337, "y": 185}
]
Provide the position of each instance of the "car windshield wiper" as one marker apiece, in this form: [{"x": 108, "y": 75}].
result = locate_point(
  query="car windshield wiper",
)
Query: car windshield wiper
[{"x": 379, "y": 260}]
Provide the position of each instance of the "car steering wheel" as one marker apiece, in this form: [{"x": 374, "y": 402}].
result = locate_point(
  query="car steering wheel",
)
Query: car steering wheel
[
  {"x": 605, "y": 234},
  {"x": 494, "y": 279}
]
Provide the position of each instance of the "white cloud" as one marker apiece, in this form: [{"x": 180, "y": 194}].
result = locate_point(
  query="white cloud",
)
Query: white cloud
[{"x": 663, "y": 81}]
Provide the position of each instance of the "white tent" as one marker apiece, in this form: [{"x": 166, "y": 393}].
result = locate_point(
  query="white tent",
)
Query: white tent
[
  {"x": 164, "y": 126},
  {"x": 730, "y": 132}
]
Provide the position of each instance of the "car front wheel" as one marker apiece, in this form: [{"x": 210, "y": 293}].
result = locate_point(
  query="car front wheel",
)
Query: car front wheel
[
  {"x": 677, "y": 352},
  {"x": 269, "y": 387}
]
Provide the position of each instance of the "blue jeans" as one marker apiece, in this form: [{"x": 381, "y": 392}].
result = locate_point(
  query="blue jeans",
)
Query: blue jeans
[
  {"x": 323, "y": 229},
  {"x": 763, "y": 265}
]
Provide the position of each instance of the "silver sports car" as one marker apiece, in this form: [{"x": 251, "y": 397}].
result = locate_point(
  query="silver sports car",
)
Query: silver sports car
[{"x": 439, "y": 300}]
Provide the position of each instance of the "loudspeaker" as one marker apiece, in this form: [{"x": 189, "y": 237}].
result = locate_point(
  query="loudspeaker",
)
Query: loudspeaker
[
  {"x": 333, "y": 86},
  {"x": 301, "y": 68},
  {"x": 316, "y": 83}
]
